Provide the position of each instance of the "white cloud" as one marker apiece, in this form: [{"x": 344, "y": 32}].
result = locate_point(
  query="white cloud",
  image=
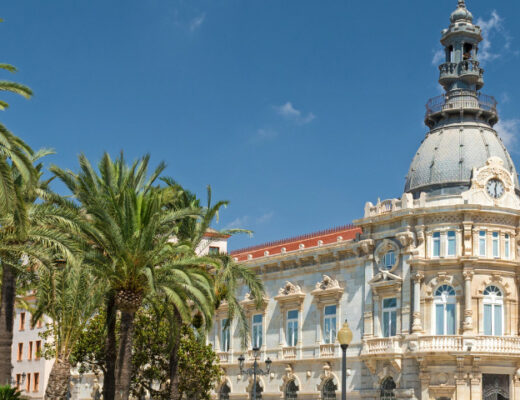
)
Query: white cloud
[
  {"x": 266, "y": 134},
  {"x": 438, "y": 56},
  {"x": 288, "y": 111},
  {"x": 246, "y": 221},
  {"x": 508, "y": 129},
  {"x": 493, "y": 28},
  {"x": 196, "y": 22}
]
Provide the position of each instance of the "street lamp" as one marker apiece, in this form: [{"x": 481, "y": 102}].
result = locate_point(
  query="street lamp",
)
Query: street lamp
[
  {"x": 344, "y": 339},
  {"x": 255, "y": 370}
]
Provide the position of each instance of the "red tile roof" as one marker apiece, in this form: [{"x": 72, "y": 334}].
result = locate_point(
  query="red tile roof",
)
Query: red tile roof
[{"x": 347, "y": 232}]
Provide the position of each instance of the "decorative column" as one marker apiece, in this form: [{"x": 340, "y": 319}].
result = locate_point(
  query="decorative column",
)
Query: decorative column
[
  {"x": 417, "y": 325},
  {"x": 468, "y": 312}
]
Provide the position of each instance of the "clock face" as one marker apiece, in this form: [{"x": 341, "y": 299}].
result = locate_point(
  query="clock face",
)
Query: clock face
[{"x": 495, "y": 188}]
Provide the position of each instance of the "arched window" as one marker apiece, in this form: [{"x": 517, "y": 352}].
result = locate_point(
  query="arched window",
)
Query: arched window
[
  {"x": 493, "y": 311},
  {"x": 224, "y": 392},
  {"x": 444, "y": 314},
  {"x": 291, "y": 391},
  {"x": 387, "y": 389},
  {"x": 329, "y": 390},
  {"x": 256, "y": 391}
]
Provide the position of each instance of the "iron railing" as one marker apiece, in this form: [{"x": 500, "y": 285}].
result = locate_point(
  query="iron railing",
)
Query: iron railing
[{"x": 459, "y": 100}]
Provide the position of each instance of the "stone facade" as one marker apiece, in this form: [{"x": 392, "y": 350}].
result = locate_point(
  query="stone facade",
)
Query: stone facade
[{"x": 428, "y": 282}]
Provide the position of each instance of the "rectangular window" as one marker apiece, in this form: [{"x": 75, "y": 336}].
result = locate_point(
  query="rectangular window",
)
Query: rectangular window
[
  {"x": 507, "y": 246},
  {"x": 482, "y": 243},
  {"x": 28, "y": 383},
  {"x": 497, "y": 320},
  {"x": 22, "y": 321},
  {"x": 214, "y": 250},
  {"x": 20, "y": 352},
  {"x": 450, "y": 319},
  {"x": 389, "y": 317},
  {"x": 29, "y": 353},
  {"x": 329, "y": 324},
  {"x": 292, "y": 328},
  {"x": 488, "y": 320},
  {"x": 36, "y": 382},
  {"x": 452, "y": 248},
  {"x": 436, "y": 245},
  {"x": 39, "y": 324},
  {"x": 389, "y": 259},
  {"x": 496, "y": 247},
  {"x": 18, "y": 380},
  {"x": 224, "y": 335},
  {"x": 257, "y": 330},
  {"x": 38, "y": 352}
]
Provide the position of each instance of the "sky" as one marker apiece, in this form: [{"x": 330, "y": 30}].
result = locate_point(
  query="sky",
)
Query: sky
[{"x": 296, "y": 111}]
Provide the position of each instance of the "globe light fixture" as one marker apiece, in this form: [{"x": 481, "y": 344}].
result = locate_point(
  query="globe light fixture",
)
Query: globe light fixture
[{"x": 344, "y": 339}]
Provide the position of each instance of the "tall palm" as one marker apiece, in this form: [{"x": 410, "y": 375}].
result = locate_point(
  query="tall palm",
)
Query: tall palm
[
  {"x": 29, "y": 235},
  {"x": 13, "y": 150},
  {"x": 70, "y": 296},
  {"x": 227, "y": 276},
  {"x": 132, "y": 231}
]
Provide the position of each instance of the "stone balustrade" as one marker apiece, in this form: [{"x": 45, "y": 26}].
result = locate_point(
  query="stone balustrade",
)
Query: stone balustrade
[
  {"x": 224, "y": 357},
  {"x": 289, "y": 352},
  {"x": 327, "y": 350},
  {"x": 381, "y": 346}
]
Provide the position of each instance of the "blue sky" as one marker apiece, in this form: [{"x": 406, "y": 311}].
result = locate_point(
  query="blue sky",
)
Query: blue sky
[{"x": 297, "y": 111}]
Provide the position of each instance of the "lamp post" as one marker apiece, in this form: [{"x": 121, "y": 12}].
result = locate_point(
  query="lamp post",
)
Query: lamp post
[
  {"x": 255, "y": 370},
  {"x": 344, "y": 339}
]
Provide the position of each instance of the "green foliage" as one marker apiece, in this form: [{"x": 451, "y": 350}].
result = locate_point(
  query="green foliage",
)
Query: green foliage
[{"x": 9, "y": 393}]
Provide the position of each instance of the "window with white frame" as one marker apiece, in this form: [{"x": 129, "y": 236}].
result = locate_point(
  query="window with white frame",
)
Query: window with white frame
[
  {"x": 257, "y": 330},
  {"x": 329, "y": 324},
  {"x": 507, "y": 246},
  {"x": 452, "y": 244},
  {"x": 389, "y": 260},
  {"x": 292, "y": 328},
  {"x": 482, "y": 243},
  {"x": 224, "y": 335},
  {"x": 389, "y": 317},
  {"x": 436, "y": 244},
  {"x": 496, "y": 245},
  {"x": 493, "y": 311},
  {"x": 444, "y": 303}
]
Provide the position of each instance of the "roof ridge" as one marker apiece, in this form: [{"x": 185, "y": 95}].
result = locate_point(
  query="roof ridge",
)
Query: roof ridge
[{"x": 295, "y": 238}]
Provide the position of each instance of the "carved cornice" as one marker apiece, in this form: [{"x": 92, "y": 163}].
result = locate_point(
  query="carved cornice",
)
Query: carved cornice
[
  {"x": 327, "y": 289},
  {"x": 290, "y": 295},
  {"x": 250, "y": 304}
]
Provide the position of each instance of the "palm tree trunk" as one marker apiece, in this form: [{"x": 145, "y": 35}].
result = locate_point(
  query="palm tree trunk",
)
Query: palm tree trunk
[
  {"x": 109, "y": 378},
  {"x": 124, "y": 356},
  {"x": 58, "y": 384},
  {"x": 175, "y": 393},
  {"x": 8, "y": 293}
]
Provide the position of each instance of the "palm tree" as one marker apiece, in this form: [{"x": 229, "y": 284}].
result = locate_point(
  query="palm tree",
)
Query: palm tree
[
  {"x": 28, "y": 236},
  {"x": 13, "y": 150},
  {"x": 132, "y": 231},
  {"x": 70, "y": 296},
  {"x": 227, "y": 276}
]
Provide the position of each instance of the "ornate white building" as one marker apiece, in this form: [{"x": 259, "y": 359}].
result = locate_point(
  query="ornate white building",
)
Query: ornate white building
[{"x": 428, "y": 282}]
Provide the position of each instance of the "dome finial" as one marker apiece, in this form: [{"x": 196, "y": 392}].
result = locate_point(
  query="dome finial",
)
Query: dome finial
[{"x": 462, "y": 4}]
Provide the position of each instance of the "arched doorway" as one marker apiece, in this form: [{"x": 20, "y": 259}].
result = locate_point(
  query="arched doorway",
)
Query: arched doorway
[
  {"x": 224, "y": 392},
  {"x": 387, "y": 389},
  {"x": 291, "y": 391},
  {"x": 329, "y": 390},
  {"x": 495, "y": 387}
]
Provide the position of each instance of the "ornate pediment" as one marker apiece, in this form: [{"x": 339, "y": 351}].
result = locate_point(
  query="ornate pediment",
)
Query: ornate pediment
[
  {"x": 250, "y": 304},
  {"x": 289, "y": 289},
  {"x": 290, "y": 295},
  {"x": 327, "y": 290}
]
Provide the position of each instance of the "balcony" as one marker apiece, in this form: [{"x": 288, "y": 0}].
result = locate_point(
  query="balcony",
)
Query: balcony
[
  {"x": 469, "y": 70},
  {"x": 505, "y": 345},
  {"x": 381, "y": 346},
  {"x": 327, "y": 350},
  {"x": 461, "y": 100},
  {"x": 224, "y": 357},
  {"x": 289, "y": 353}
]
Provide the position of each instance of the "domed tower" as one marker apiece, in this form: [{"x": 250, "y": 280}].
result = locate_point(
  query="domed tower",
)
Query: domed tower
[{"x": 461, "y": 121}]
